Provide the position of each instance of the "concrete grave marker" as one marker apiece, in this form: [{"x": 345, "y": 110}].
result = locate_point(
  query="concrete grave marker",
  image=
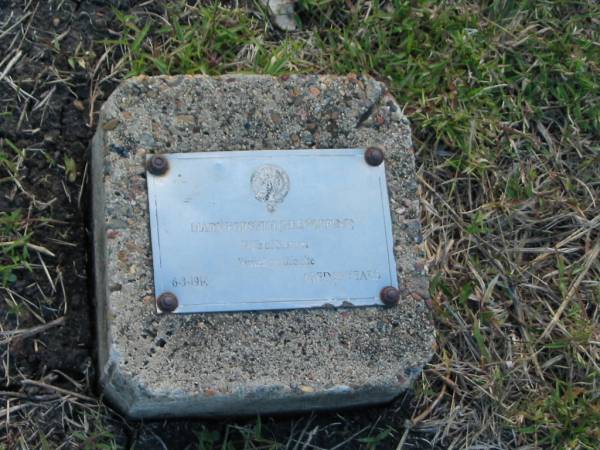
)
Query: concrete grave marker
[{"x": 245, "y": 202}]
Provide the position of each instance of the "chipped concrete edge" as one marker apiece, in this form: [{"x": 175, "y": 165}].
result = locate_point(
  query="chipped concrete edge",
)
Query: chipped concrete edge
[
  {"x": 140, "y": 404},
  {"x": 99, "y": 247}
]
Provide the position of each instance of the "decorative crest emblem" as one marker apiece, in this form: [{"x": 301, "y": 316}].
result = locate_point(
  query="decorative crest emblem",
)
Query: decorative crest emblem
[{"x": 270, "y": 184}]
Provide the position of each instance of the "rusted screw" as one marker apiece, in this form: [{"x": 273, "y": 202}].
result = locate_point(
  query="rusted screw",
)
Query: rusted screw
[
  {"x": 390, "y": 296},
  {"x": 167, "y": 302},
  {"x": 157, "y": 165},
  {"x": 374, "y": 156}
]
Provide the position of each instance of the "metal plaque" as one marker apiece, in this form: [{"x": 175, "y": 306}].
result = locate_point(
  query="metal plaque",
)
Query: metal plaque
[{"x": 265, "y": 230}]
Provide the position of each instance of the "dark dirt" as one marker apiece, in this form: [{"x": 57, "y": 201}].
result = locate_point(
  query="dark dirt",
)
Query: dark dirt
[
  {"x": 51, "y": 133},
  {"x": 62, "y": 356}
]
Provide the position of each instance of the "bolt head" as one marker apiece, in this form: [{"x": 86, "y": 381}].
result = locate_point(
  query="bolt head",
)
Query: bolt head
[
  {"x": 167, "y": 302},
  {"x": 374, "y": 156},
  {"x": 158, "y": 165},
  {"x": 390, "y": 296}
]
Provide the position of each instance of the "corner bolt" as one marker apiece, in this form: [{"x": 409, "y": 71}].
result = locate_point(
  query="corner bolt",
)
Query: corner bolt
[
  {"x": 374, "y": 156},
  {"x": 390, "y": 296},
  {"x": 167, "y": 302},
  {"x": 157, "y": 165}
]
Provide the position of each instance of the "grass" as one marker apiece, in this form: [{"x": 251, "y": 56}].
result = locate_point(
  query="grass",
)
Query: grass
[
  {"x": 14, "y": 229},
  {"x": 14, "y": 254},
  {"x": 504, "y": 101}
]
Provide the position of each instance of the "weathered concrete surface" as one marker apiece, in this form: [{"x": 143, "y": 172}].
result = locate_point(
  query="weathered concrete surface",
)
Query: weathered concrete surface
[{"x": 155, "y": 365}]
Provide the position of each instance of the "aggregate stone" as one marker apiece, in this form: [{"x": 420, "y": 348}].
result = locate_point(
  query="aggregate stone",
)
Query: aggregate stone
[{"x": 154, "y": 365}]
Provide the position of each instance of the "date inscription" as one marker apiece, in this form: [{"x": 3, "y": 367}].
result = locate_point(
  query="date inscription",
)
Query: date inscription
[{"x": 189, "y": 281}]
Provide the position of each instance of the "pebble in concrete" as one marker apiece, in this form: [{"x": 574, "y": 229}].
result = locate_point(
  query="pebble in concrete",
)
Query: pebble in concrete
[{"x": 154, "y": 365}]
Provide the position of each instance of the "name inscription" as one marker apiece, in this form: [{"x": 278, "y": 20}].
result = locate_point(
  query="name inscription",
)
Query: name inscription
[{"x": 273, "y": 226}]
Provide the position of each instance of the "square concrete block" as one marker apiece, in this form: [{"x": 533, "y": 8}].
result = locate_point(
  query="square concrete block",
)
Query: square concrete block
[{"x": 243, "y": 363}]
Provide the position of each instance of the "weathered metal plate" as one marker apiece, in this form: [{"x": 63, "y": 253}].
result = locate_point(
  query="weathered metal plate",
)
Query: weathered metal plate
[{"x": 265, "y": 230}]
